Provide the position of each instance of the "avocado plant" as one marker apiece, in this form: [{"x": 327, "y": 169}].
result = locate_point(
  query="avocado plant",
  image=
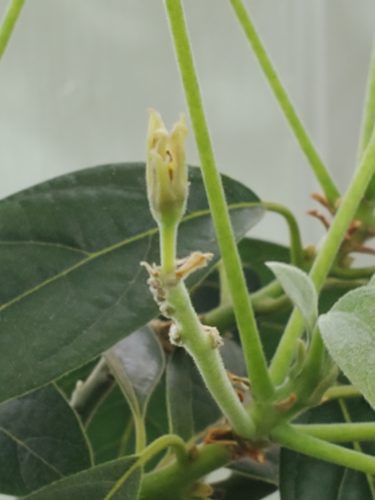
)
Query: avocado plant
[{"x": 146, "y": 342}]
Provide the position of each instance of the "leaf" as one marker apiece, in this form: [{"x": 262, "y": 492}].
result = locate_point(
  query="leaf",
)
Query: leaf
[
  {"x": 111, "y": 429},
  {"x": 266, "y": 472},
  {"x": 238, "y": 487},
  {"x": 41, "y": 441},
  {"x": 348, "y": 331},
  {"x": 70, "y": 250},
  {"x": 191, "y": 408},
  {"x": 300, "y": 290},
  {"x": 305, "y": 478},
  {"x": 372, "y": 280},
  {"x": 138, "y": 363},
  {"x": 94, "y": 483}
]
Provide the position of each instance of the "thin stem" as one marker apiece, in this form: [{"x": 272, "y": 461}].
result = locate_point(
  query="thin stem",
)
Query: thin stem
[
  {"x": 339, "y": 433},
  {"x": 301, "y": 442},
  {"x": 171, "y": 482},
  {"x": 317, "y": 165},
  {"x": 140, "y": 433},
  {"x": 168, "y": 242},
  {"x": 202, "y": 345},
  {"x": 250, "y": 339},
  {"x": 352, "y": 273},
  {"x": 341, "y": 391},
  {"x": 296, "y": 247},
  {"x": 9, "y": 22},
  {"x": 369, "y": 108},
  {"x": 166, "y": 441},
  {"x": 356, "y": 444},
  {"x": 325, "y": 258}
]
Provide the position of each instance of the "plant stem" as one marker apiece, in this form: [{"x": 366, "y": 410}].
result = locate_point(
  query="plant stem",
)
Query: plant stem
[
  {"x": 325, "y": 258},
  {"x": 296, "y": 248},
  {"x": 341, "y": 391},
  {"x": 326, "y": 182},
  {"x": 201, "y": 346},
  {"x": 308, "y": 445},
  {"x": 168, "y": 241},
  {"x": 339, "y": 433},
  {"x": 9, "y": 21},
  {"x": 352, "y": 273},
  {"x": 356, "y": 444},
  {"x": 172, "y": 481},
  {"x": 253, "y": 351},
  {"x": 166, "y": 441}
]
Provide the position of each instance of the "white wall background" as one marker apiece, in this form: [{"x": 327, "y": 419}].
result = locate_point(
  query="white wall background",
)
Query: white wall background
[{"x": 78, "y": 76}]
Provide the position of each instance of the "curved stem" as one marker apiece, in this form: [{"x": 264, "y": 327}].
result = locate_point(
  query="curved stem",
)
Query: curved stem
[
  {"x": 341, "y": 391},
  {"x": 326, "y": 182},
  {"x": 299, "y": 441},
  {"x": 9, "y": 22},
  {"x": 352, "y": 273},
  {"x": 325, "y": 257},
  {"x": 202, "y": 345},
  {"x": 166, "y": 441},
  {"x": 170, "y": 483},
  {"x": 250, "y": 339},
  {"x": 296, "y": 247}
]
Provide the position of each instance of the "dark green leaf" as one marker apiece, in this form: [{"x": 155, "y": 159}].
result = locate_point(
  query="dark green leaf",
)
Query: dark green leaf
[
  {"x": 348, "y": 331},
  {"x": 41, "y": 441},
  {"x": 111, "y": 430},
  {"x": 94, "y": 483},
  {"x": 267, "y": 471},
  {"x": 137, "y": 362},
  {"x": 70, "y": 250},
  {"x": 238, "y": 487},
  {"x": 305, "y": 478}
]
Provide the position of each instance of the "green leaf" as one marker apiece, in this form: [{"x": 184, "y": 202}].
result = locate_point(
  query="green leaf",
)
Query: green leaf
[
  {"x": 305, "y": 478},
  {"x": 41, "y": 441},
  {"x": 372, "y": 280},
  {"x": 111, "y": 428},
  {"x": 299, "y": 289},
  {"x": 266, "y": 472},
  {"x": 191, "y": 408},
  {"x": 238, "y": 487},
  {"x": 94, "y": 483},
  {"x": 137, "y": 362},
  {"x": 348, "y": 331},
  {"x": 70, "y": 250}
]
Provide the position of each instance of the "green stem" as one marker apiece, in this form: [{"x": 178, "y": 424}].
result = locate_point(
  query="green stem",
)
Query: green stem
[
  {"x": 253, "y": 351},
  {"x": 341, "y": 391},
  {"x": 356, "y": 444},
  {"x": 296, "y": 247},
  {"x": 325, "y": 258},
  {"x": 171, "y": 482},
  {"x": 339, "y": 433},
  {"x": 9, "y": 22},
  {"x": 166, "y": 441},
  {"x": 309, "y": 445},
  {"x": 168, "y": 243},
  {"x": 352, "y": 273},
  {"x": 140, "y": 433},
  {"x": 202, "y": 346},
  {"x": 317, "y": 165}
]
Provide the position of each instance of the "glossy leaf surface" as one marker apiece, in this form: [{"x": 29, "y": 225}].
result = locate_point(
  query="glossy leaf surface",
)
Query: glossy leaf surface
[
  {"x": 70, "y": 250},
  {"x": 41, "y": 441}
]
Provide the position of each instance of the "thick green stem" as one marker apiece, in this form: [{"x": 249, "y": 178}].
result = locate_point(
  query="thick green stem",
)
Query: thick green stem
[
  {"x": 339, "y": 433},
  {"x": 317, "y": 165},
  {"x": 168, "y": 242},
  {"x": 202, "y": 344},
  {"x": 171, "y": 482},
  {"x": 326, "y": 257},
  {"x": 254, "y": 355},
  {"x": 166, "y": 441},
  {"x": 304, "y": 443},
  {"x": 9, "y": 22}
]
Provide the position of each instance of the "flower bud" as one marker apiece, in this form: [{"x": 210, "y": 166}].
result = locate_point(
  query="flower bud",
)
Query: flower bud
[{"x": 166, "y": 170}]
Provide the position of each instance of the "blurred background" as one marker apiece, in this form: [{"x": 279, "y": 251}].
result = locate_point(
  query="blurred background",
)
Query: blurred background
[{"x": 78, "y": 76}]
